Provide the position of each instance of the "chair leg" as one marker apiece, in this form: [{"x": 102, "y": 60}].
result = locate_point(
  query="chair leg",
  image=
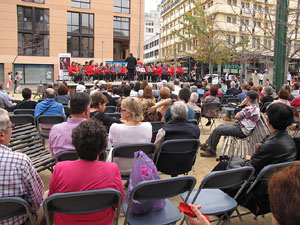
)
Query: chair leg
[
  {"x": 228, "y": 218},
  {"x": 239, "y": 215}
]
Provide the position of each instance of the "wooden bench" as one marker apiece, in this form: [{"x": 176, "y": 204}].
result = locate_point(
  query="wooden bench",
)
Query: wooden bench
[
  {"x": 26, "y": 139},
  {"x": 241, "y": 147}
]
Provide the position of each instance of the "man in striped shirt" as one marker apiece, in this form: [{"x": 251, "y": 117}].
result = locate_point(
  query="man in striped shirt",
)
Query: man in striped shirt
[{"x": 18, "y": 177}]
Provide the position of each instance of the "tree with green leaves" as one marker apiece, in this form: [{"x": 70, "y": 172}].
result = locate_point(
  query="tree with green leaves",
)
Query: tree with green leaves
[{"x": 205, "y": 41}]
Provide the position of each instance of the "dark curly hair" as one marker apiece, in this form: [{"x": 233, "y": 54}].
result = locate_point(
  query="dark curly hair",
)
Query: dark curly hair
[{"x": 89, "y": 139}]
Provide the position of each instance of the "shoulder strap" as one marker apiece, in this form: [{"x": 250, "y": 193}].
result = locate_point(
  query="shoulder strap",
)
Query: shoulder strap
[{"x": 45, "y": 110}]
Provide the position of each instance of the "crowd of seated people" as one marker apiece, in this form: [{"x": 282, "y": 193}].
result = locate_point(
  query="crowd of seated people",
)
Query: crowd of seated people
[{"x": 85, "y": 130}]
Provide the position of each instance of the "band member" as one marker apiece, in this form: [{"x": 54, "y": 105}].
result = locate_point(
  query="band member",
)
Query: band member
[
  {"x": 165, "y": 72},
  {"x": 179, "y": 71},
  {"x": 172, "y": 71},
  {"x": 158, "y": 71},
  {"x": 153, "y": 76},
  {"x": 123, "y": 72}
]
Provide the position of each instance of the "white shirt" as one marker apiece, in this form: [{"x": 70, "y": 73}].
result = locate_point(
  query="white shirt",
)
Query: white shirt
[
  {"x": 289, "y": 77},
  {"x": 123, "y": 134},
  {"x": 133, "y": 93},
  {"x": 261, "y": 77},
  {"x": 177, "y": 89}
]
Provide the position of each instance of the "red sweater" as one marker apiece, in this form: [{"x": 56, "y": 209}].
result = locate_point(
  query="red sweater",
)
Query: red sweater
[
  {"x": 172, "y": 71},
  {"x": 158, "y": 71},
  {"x": 179, "y": 71}
]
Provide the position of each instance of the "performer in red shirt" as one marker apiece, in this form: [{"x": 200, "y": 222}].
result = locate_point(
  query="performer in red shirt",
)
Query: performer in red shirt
[
  {"x": 172, "y": 70},
  {"x": 153, "y": 76},
  {"x": 123, "y": 72},
  {"x": 107, "y": 72},
  {"x": 165, "y": 72},
  {"x": 91, "y": 69},
  {"x": 179, "y": 71},
  {"x": 158, "y": 72}
]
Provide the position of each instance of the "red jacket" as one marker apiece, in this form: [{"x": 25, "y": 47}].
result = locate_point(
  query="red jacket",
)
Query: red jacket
[
  {"x": 90, "y": 70},
  {"x": 153, "y": 68},
  {"x": 172, "y": 71},
  {"x": 72, "y": 69},
  {"x": 107, "y": 70},
  {"x": 158, "y": 71},
  {"x": 179, "y": 71},
  {"x": 166, "y": 70},
  {"x": 123, "y": 70}
]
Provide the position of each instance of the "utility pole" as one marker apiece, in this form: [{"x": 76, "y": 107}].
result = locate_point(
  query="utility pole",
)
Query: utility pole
[
  {"x": 280, "y": 43},
  {"x": 102, "y": 52}
]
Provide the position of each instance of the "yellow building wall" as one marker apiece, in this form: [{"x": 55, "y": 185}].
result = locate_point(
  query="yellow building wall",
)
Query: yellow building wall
[{"x": 103, "y": 30}]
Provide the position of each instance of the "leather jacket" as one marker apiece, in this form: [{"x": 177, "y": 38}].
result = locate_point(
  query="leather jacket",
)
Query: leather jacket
[{"x": 278, "y": 147}]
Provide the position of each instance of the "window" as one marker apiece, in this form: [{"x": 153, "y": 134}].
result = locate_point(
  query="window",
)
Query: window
[
  {"x": 83, "y": 4},
  {"x": 35, "y": 1},
  {"x": 35, "y": 74},
  {"x": 33, "y": 31},
  {"x": 258, "y": 43},
  {"x": 253, "y": 42},
  {"x": 228, "y": 19},
  {"x": 80, "y": 39},
  {"x": 247, "y": 22},
  {"x": 122, "y": 27},
  {"x": 233, "y": 20},
  {"x": 122, "y": 6}
]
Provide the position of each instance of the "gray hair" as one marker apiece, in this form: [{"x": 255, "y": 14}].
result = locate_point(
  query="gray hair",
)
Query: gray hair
[
  {"x": 171, "y": 87},
  {"x": 4, "y": 119},
  {"x": 194, "y": 97},
  {"x": 179, "y": 110},
  {"x": 194, "y": 88},
  {"x": 269, "y": 90},
  {"x": 232, "y": 84},
  {"x": 159, "y": 86}
]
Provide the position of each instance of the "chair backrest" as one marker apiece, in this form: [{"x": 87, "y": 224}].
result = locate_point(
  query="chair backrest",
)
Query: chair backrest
[
  {"x": 227, "y": 179},
  {"x": 156, "y": 125},
  {"x": 116, "y": 115},
  {"x": 67, "y": 110},
  {"x": 20, "y": 119},
  {"x": 212, "y": 105},
  {"x": 24, "y": 111},
  {"x": 177, "y": 156},
  {"x": 110, "y": 109},
  {"x": 82, "y": 202},
  {"x": 161, "y": 189},
  {"x": 225, "y": 98},
  {"x": 14, "y": 206},
  {"x": 266, "y": 173},
  {"x": 233, "y": 100},
  {"x": 127, "y": 151},
  {"x": 194, "y": 122},
  {"x": 45, "y": 123},
  {"x": 66, "y": 156},
  {"x": 198, "y": 116}
]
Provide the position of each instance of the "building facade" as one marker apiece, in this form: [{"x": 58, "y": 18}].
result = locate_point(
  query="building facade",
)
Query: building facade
[
  {"x": 152, "y": 23},
  {"x": 151, "y": 50},
  {"x": 237, "y": 20},
  {"x": 37, "y": 31}
]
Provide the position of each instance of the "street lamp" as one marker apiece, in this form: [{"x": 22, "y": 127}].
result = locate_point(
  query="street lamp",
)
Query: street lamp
[{"x": 102, "y": 52}]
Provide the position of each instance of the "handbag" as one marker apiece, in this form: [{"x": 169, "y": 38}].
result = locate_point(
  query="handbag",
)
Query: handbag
[
  {"x": 235, "y": 162},
  {"x": 143, "y": 169}
]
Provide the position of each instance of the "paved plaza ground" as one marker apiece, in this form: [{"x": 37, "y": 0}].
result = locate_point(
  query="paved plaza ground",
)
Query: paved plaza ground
[{"x": 202, "y": 167}]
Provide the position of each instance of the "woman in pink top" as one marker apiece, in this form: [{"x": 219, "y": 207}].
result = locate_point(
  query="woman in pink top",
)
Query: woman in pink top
[{"x": 87, "y": 173}]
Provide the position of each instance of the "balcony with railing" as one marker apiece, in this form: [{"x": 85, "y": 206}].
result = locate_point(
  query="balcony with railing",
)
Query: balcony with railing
[{"x": 169, "y": 7}]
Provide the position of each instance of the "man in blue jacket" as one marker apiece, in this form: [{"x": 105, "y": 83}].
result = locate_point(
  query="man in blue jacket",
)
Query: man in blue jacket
[{"x": 48, "y": 106}]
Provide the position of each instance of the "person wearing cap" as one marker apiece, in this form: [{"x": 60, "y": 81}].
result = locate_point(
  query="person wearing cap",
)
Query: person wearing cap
[
  {"x": 246, "y": 121},
  {"x": 80, "y": 88}
]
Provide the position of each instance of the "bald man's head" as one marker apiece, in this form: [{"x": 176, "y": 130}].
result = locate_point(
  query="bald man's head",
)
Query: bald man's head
[{"x": 50, "y": 93}]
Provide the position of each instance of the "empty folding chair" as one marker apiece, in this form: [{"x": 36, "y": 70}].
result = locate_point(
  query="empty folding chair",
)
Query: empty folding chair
[
  {"x": 212, "y": 105},
  {"x": 155, "y": 190},
  {"x": 15, "y": 206},
  {"x": 66, "y": 156},
  {"x": 177, "y": 156},
  {"x": 213, "y": 200},
  {"x": 82, "y": 202}
]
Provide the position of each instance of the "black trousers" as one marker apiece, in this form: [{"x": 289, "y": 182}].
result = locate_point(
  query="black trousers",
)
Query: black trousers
[{"x": 130, "y": 74}]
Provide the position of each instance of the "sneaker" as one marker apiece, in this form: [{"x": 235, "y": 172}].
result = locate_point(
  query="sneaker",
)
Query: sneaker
[
  {"x": 208, "y": 123},
  {"x": 227, "y": 119},
  {"x": 208, "y": 153}
]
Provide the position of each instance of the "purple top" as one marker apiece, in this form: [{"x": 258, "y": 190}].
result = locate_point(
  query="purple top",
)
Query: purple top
[{"x": 60, "y": 137}]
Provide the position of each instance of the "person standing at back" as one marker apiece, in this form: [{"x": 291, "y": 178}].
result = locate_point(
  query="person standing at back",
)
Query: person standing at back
[{"x": 131, "y": 63}]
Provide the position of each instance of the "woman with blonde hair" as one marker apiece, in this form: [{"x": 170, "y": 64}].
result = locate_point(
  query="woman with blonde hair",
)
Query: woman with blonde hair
[{"x": 133, "y": 131}]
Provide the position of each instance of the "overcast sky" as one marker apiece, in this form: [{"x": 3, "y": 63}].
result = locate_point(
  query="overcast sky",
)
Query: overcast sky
[{"x": 150, "y": 4}]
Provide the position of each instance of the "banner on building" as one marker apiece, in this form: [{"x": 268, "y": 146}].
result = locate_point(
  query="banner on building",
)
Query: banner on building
[{"x": 64, "y": 60}]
